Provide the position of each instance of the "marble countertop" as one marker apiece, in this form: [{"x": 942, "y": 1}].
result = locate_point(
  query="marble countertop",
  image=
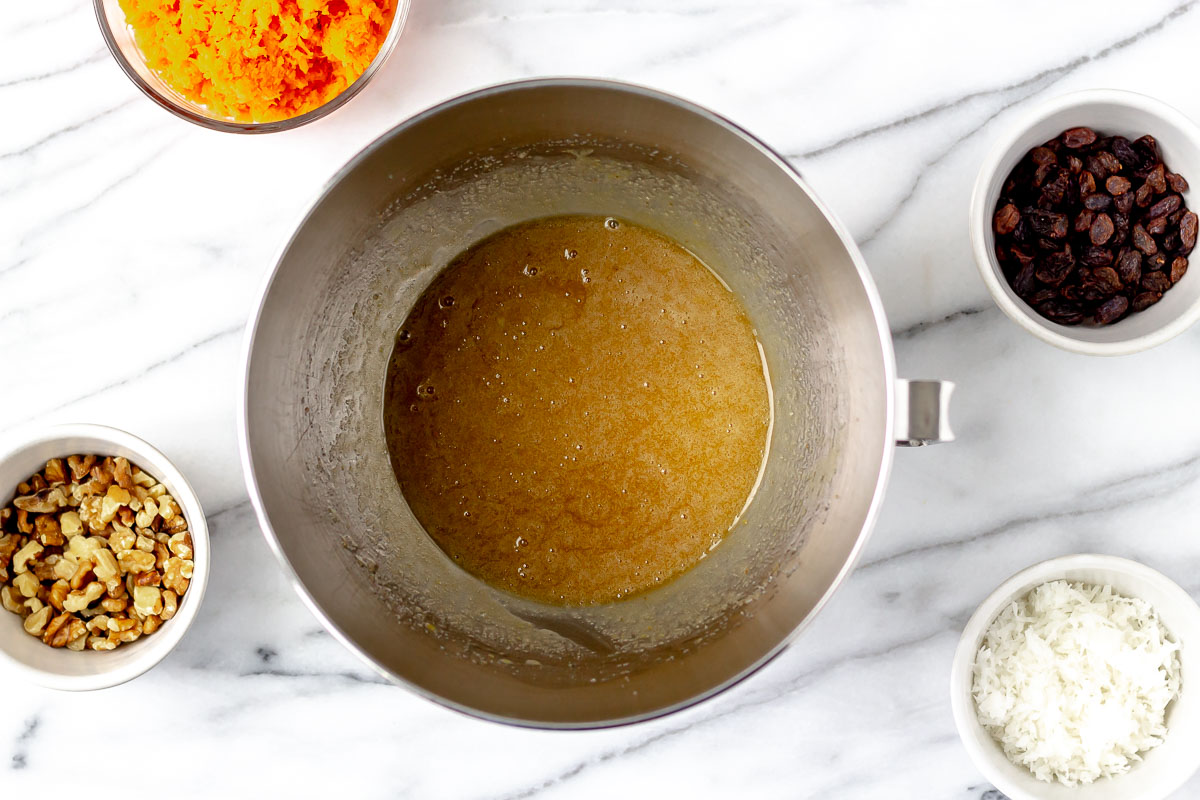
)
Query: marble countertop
[{"x": 132, "y": 244}]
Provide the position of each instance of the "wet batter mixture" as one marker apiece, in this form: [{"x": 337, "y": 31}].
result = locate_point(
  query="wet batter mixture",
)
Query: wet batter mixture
[{"x": 577, "y": 410}]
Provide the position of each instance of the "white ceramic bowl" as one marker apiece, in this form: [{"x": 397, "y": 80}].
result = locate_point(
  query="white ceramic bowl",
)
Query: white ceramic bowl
[
  {"x": 59, "y": 668},
  {"x": 1166, "y": 767},
  {"x": 1110, "y": 112}
]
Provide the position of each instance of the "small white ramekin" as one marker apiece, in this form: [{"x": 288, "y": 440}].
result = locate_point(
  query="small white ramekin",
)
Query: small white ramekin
[
  {"x": 59, "y": 668},
  {"x": 1166, "y": 767},
  {"x": 1109, "y": 112}
]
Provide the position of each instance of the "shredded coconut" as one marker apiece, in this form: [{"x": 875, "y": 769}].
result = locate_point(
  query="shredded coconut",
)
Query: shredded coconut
[{"x": 1073, "y": 681}]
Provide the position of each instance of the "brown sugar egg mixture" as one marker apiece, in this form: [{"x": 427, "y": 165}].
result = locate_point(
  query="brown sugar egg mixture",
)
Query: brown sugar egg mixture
[{"x": 577, "y": 410}]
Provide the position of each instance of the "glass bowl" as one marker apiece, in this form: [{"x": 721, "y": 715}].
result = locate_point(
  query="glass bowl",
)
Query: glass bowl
[{"x": 119, "y": 37}]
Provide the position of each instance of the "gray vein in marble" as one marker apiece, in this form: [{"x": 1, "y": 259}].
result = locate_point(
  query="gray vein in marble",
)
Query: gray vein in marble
[
  {"x": 94, "y": 58},
  {"x": 53, "y": 222},
  {"x": 235, "y": 506},
  {"x": 573, "y": 10},
  {"x": 34, "y": 309},
  {"x": 14, "y": 266},
  {"x": 74, "y": 126},
  {"x": 1054, "y": 73},
  {"x": 20, "y": 758},
  {"x": 1127, "y": 490},
  {"x": 748, "y": 700},
  {"x": 921, "y": 327},
  {"x": 343, "y": 675},
  {"x": 46, "y": 21},
  {"x": 216, "y": 337},
  {"x": 673, "y": 57}
]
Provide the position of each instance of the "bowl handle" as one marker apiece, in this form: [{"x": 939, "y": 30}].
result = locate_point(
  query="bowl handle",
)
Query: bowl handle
[{"x": 923, "y": 412}]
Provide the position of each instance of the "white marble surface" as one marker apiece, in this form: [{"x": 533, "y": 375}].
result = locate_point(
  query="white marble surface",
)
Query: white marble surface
[{"x": 131, "y": 244}]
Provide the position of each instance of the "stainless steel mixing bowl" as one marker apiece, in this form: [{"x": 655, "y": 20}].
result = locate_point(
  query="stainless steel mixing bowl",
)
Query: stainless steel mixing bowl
[{"x": 317, "y": 348}]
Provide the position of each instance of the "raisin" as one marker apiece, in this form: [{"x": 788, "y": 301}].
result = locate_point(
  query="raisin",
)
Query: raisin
[
  {"x": 1063, "y": 312},
  {"x": 1156, "y": 225},
  {"x": 1101, "y": 230},
  {"x": 1054, "y": 268},
  {"x": 1177, "y": 182},
  {"x": 1143, "y": 195},
  {"x": 1042, "y": 155},
  {"x": 1055, "y": 192},
  {"x": 1187, "y": 231},
  {"x": 1108, "y": 164},
  {"x": 1116, "y": 185},
  {"x": 1168, "y": 205},
  {"x": 1087, "y": 183},
  {"x": 1156, "y": 282},
  {"x": 1097, "y": 202},
  {"x": 1144, "y": 241},
  {"x": 1124, "y": 151},
  {"x": 1006, "y": 219},
  {"x": 1023, "y": 233},
  {"x": 1144, "y": 300},
  {"x": 1121, "y": 228},
  {"x": 1178, "y": 268},
  {"x": 1041, "y": 296},
  {"x": 1111, "y": 310},
  {"x": 1043, "y": 173},
  {"x": 1076, "y": 138},
  {"x": 1047, "y": 223},
  {"x": 1096, "y": 257},
  {"x": 1025, "y": 284},
  {"x": 1129, "y": 267},
  {"x": 1156, "y": 179},
  {"x": 1156, "y": 261},
  {"x": 1148, "y": 147},
  {"x": 1106, "y": 280},
  {"x": 1083, "y": 222}
]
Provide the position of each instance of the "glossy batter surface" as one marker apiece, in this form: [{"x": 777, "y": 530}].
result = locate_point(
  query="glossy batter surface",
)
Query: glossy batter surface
[{"x": 577, "y": 410}]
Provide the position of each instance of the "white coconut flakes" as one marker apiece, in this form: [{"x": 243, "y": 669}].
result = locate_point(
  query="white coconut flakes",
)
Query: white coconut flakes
[{"x": 1074, "y": 680}]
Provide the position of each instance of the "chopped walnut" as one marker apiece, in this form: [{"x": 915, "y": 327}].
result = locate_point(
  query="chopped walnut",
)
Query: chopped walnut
[
  {"x": 94, "y": 553},
  {"x": 83, "y": 572},
  {"x": 114, "y": 605},
  {"x": 70, "y": 524},
  {"x": 27, "y": 584},
  {"x": 20, "y": 562},
  {"x": 181, "y": 544},
  {"x": 81, "y": 599},
  {"x": 10, "y": 598},
  {"x": 58, "y": 594},
  {"x": 80, "y": 466},
  {"x": 136, "y": 561},
  {"x": 48, "y": 531},
  {"x": 44, "y": 570},
  {"x": 170, "y": 605},
  {"x": 35, "y": 623}
]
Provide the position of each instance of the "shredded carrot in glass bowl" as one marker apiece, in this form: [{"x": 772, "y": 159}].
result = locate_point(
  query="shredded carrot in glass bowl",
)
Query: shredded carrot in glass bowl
[{"x": 258, "y": 60}]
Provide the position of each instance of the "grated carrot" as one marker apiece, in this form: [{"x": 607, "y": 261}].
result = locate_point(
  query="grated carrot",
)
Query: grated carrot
[{"x": 258, "y": 60}]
